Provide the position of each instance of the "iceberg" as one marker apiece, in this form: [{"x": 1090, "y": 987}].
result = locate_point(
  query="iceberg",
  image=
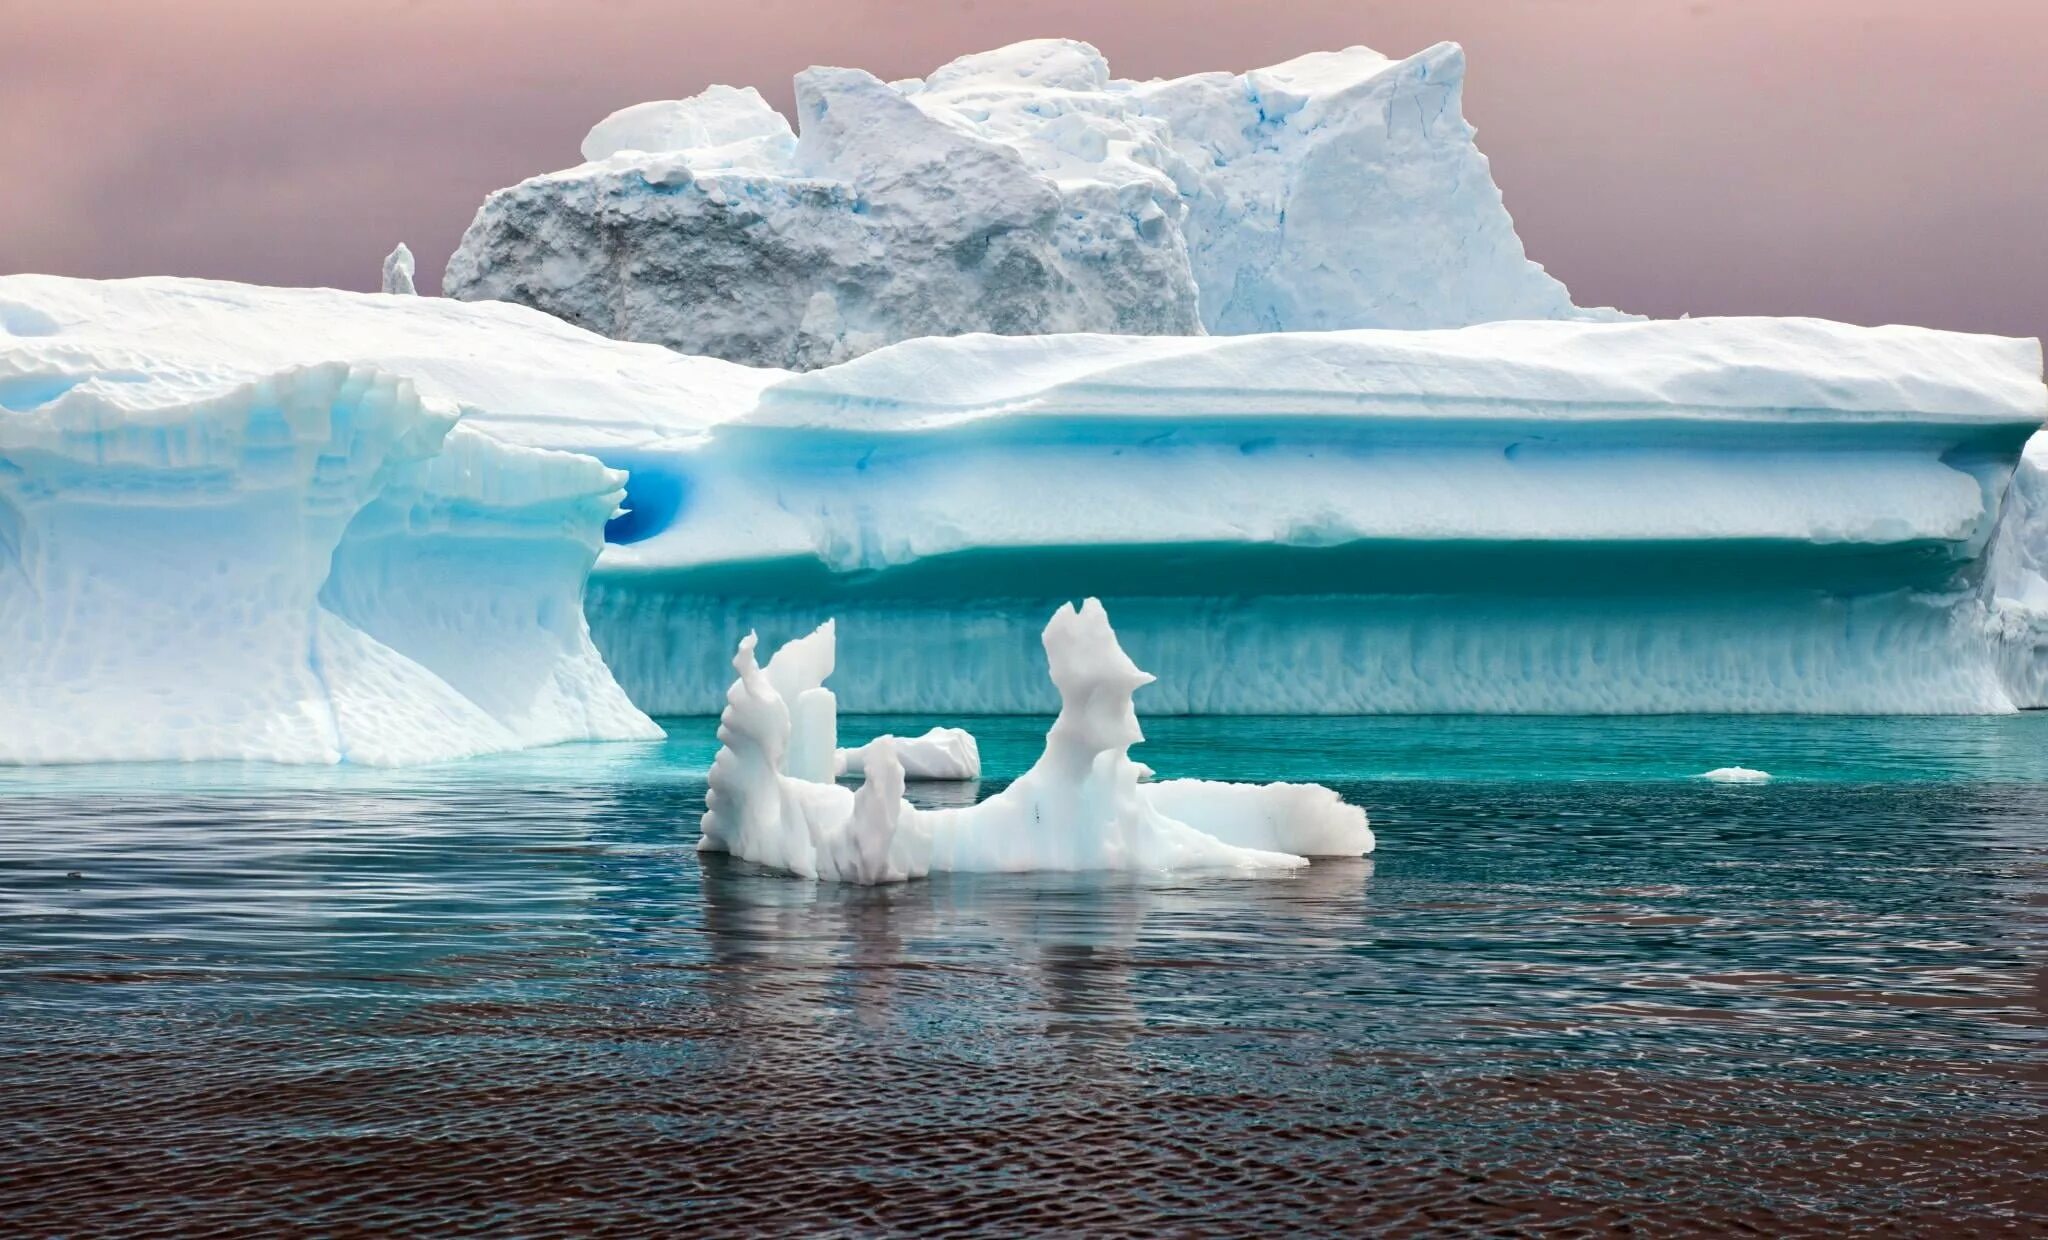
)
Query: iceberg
[
  {"x": 1534, "y": 516},
  {"x": 1746, "y": 515},
  {"x": 214, "y": 550},
  {"x": 2015, "y": 588},
  {"x": 1082, "y": 806},
  {"x": 1020, "y": 191}
]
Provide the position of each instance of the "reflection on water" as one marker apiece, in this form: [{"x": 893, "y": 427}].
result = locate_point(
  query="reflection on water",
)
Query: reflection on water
[{"x": 511, "y": 997}]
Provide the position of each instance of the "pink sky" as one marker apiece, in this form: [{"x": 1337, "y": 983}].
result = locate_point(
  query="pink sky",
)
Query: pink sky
[{"x": 1870, "y": 160}]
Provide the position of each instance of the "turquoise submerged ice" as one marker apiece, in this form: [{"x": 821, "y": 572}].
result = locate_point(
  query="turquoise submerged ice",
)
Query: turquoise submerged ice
[
  {"x": 313, "y": 525},
  {"x": 1701, "y": 515}
]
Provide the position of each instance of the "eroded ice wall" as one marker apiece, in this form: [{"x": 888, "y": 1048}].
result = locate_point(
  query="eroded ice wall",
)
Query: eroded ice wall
[
  {"x": 1735, "y": 514},
  {"x": 1020, "y": 191},
  {"x": 209, "y": 553}
]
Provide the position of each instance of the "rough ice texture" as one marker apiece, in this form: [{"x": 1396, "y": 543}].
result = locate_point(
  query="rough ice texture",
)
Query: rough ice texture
[
  {"x": 1706, "y": 514},
  {"x": 1081, "y": 806},
  {"x": 210, "y": 550},
  {"x": 2015, "y": 590},
  {"x": 398, "y": 269},
  {"x": 1019, "y": 191}
]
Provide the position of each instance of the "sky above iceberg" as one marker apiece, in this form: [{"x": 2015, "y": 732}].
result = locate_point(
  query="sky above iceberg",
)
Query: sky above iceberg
[{"x": 1869, "y": 160}]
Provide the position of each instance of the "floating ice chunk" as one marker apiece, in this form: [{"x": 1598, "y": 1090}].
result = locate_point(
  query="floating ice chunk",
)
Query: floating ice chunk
[
  {"x": 940, "y": 754},
  {"x": 1736, "y": 775},
  {"x": 398, "y": 268},
  {"x": 1306, "y": 819},
  {"x": 234, "y": 526},
  {"x": 1080, "y": 807}
]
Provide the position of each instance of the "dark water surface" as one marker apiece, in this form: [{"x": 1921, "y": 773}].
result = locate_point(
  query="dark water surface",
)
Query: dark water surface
[{"x": 1574, "y": 989}]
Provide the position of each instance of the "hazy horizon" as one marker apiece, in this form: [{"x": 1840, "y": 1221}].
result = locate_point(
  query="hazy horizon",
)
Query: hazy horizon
[{"x": 1873, "y": 161}]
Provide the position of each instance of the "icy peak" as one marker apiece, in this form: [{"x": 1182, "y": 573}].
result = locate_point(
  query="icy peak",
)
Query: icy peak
[
  {"x": 398, "y": 271},
  {"x": 1042, "y": 64},
  {"x": 1021, "y": 191},
  {"x": 1095, "y": 679}
]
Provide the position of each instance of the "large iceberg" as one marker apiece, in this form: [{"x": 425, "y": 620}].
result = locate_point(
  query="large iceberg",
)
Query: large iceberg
[
  {"x": 1694, "y": 515},
  {"x": 1081, "y": 806},
  {"x": 245, "y": 523},
  {"x": 1706, "y": 514},
  {"x": 1020, "y": 191}
]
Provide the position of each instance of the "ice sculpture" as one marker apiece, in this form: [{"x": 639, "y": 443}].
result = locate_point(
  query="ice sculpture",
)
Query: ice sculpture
[
  {"x": 1022, "y": 190},
  {"x": 1082, "y": 806}
]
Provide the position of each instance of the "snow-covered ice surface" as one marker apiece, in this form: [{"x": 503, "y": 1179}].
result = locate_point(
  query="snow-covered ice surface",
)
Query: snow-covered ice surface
[
  {"x": 1705, "y": 514},
  {"x": 229, "y": 530},
  {"x": 1022, "y": 190},
  {"x": 1080, "y": 807}
]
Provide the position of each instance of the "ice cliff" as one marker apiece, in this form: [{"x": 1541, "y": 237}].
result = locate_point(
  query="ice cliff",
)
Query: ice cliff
[
  {"x": 1081, "y": 806},
  {"x": 1020, "y": 191},
  {"x": 218, "y": 546},
  {"x": 1541, "y": 516}
]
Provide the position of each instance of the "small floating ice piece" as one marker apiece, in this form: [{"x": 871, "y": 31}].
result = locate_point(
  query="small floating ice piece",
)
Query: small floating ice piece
[
  {"x": 1080, "y": 807},
  {"x": 940, "y": 754},
  {"x": 1736, "y": 775}
]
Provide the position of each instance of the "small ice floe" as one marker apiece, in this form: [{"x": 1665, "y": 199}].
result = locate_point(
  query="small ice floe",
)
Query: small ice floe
[{"x": 1736, "y": 775}]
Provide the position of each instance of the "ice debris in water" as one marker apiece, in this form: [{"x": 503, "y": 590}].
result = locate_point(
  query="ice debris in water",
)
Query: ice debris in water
[
  {"x": 1082, "y": 806},
  {"x": 398, "y": 268},
  {"x": 940, "y": 754},
  {"x": 1737, "y": 775}
]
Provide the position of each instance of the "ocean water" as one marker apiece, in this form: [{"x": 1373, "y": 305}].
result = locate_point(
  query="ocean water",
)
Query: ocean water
[{"x": 1576, "y": 989}]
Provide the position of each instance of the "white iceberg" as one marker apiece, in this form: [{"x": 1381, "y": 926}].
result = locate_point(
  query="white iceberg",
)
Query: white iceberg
[
  {"x": 1022, "y": 190},
  {"x": 1741, "y": 515},
  {"x": 1702, "y": 515},
  {"x": 214, "y": 550},
  {"x": 1080, "y": 807}
]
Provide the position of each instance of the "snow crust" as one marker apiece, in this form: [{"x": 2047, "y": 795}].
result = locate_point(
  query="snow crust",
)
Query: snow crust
[
  {"x": 1022, "y": 190},
  {"x": 207, "y": 553},
  {"x": 1080, "y": 807}
]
